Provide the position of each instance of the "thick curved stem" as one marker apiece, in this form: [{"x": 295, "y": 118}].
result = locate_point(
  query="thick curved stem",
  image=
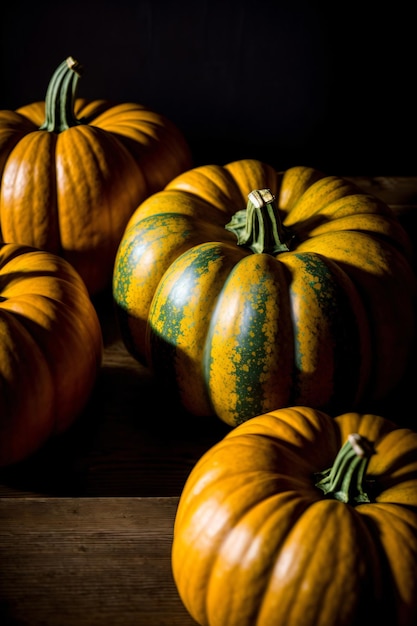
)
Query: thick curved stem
[
  {"x": 259, "y": 226},
  {"x": 345, "y": 480},
  {"x": 60, "y": 95}
]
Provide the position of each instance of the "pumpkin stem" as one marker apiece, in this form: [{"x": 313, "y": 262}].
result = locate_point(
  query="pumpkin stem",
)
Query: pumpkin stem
[
  {"x": 60, "y": 95},
  {"x": 344, "y": 481},
  {"x": 259, "y": 226}
]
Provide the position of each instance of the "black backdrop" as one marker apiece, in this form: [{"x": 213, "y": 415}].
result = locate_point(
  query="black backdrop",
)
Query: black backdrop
[{"x": 326, "y": 84}]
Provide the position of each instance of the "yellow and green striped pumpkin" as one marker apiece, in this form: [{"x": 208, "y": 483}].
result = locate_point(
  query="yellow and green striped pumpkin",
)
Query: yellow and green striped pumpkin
[{"x": 246, "y": 290}]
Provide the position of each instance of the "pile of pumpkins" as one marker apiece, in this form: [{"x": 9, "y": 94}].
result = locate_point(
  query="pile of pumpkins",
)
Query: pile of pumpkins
[{"x": 278, "y": 302}]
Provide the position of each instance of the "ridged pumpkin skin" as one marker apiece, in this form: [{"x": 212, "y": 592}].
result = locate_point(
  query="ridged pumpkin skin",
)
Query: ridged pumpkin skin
[
  {"x": 50, "y": 348},
  {"x": 257, "y": 542},
  {"x": 236, "y": 333},
  {"x": 71, "y": 176}
]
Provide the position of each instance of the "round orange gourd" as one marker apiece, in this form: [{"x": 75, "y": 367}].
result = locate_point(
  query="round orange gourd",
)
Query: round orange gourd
[
  {"x": 297, "y": 518},
  {"x": 72, "y": 172},
  {"x": 50, "y": 348},
  {"x": 304, "y": 294}
]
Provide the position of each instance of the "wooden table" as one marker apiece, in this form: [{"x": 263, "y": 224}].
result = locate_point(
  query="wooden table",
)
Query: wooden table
[{"x": 86, "y": 523}]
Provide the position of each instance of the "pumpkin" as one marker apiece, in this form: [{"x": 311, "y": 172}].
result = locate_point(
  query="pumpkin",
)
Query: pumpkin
[
  {"x": 50, "y": 348},
  {"x": 72, "y": 171},
  {"x": 245, "y": 290},
  {"x": 298, "y": 518}
]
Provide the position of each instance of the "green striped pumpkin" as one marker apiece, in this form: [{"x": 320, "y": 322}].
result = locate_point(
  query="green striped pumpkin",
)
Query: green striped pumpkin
[{"x": 246, "y": 290}]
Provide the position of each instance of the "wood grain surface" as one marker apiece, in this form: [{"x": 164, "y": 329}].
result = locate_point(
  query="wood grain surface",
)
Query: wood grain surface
[
  {"x": 95, "y": 561},
  {"x": 86, "y": 523}
]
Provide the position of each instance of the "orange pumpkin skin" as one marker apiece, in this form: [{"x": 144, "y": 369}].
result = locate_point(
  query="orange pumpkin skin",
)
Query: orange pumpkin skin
[
  {"x": 50, "y": 348},
  {"x": 256, "y": 542},
  {"x": 72, "y": 176}
]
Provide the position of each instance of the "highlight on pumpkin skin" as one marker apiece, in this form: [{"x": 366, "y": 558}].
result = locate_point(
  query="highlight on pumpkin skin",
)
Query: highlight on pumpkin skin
[{"x": 256, "y": 541}]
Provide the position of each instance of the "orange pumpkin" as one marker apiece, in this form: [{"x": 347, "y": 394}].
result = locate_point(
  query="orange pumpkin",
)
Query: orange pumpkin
[
  {"x": 50, "y": 348},
  {"x": 73, "y": 171},
  {"x": 299, "y": 518}
]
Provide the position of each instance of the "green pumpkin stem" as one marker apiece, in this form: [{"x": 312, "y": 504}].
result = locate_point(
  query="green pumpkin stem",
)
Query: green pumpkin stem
[
  {"x": 60, "y": 95},
  {"x": 345, "y": 480},
  {"x": 259, "y": 226}
]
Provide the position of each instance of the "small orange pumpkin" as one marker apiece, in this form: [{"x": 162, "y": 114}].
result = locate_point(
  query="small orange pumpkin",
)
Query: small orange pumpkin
[
  {"x": 50, "y": 348},
  {"x": 73, "y": 171}
]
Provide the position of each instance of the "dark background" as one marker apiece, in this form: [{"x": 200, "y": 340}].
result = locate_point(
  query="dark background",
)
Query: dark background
[{"x": 311, "y": 83}]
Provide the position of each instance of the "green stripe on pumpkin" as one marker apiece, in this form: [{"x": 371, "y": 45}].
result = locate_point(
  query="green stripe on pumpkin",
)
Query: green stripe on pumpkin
[
  {"x": 180, "y": 317},
  {"x": 249, "y": 356}
]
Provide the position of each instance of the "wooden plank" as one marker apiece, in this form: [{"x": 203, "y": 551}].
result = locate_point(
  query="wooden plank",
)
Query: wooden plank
[{"x": 92, "y": 561}]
